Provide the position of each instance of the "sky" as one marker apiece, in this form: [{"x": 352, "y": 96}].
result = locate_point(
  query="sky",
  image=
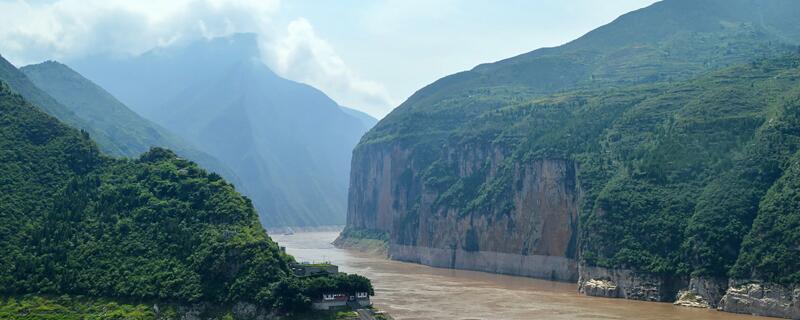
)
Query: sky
[{"x": 369, "y": 55}]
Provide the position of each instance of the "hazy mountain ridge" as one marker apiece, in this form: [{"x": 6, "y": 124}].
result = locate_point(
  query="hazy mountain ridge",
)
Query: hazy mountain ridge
[
  {"x": 366, "y": 119},
  {"x": 20, "y": 83},
  {"x": 106, "y": 115},
  {"x": 288, "y": 142}
]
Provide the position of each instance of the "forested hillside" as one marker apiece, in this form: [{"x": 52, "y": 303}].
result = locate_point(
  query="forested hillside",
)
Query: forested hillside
[
  {"x": 652, "y": 151},
  {"x": 153, "y": 229}
]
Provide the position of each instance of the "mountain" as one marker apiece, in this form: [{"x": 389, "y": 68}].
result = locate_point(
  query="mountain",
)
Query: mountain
[
  {"x": 651, "y": 159},
  {"x": 289, "y": 143},
  {"x": 106, "y": 116},
  {"x": 366, "y": 119},
  {"x": 156, "y": 229},
  {"x": 21, "y": 84}
]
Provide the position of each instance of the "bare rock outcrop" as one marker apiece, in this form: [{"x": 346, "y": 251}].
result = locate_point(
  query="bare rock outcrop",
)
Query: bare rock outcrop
[
  {"x": 627, "y": 284},
  {"x": 702, "y": 293},
  {"x": 760, "y": 298}
]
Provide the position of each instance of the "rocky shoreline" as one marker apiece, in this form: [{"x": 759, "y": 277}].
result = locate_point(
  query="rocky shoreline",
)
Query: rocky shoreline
[
  {"x": 534, "y": 266},
  {"x": 376, "y": 247},
  {"x": 735, "y": 296}
]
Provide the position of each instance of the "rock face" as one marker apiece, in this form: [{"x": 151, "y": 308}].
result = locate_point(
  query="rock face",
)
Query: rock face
[
  {"x": 702, "y": 293},
  {"x": 374, "y": 193},
  {"x": 627, "y": 284},
  {"x": 764, "y": 299},
  {"x": 687, "y": 298},
  {"x": 535, "y": 236}
]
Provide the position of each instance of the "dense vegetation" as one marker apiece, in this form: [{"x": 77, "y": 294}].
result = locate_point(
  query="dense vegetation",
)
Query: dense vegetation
[
  {"x": 73, "y": 221},
  {"x": 67, "y": 308},
  {"x": 771, "y": 250},
  {"x": 691, "y": 38},
  {"x": 683, "y": 130},
  {"x": 32, "y": 307}
]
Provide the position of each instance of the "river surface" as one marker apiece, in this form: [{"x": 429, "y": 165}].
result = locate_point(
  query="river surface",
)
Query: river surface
[{"x": 412, "y": 291}]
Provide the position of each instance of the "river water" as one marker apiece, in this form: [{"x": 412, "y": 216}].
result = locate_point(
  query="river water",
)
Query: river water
[{"x": 412, "y": 291}]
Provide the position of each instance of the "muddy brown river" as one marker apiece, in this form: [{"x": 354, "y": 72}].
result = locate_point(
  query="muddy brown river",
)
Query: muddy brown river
[{"x": 412, "y": 291}]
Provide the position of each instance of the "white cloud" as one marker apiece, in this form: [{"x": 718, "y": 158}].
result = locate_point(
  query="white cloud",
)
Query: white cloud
[
  {"x": 64, "y": 29},
  {"x": 300, "y": 54},
  {"x": 69, "y": 28}
]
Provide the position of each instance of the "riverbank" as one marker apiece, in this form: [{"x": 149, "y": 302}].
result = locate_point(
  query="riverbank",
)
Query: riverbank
[
  {"x": 410, "y": 291},
  {"x": 375, "y": 243}
]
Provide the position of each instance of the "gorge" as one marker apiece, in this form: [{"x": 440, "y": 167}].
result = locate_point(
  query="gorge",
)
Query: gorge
[
  {"x": 651, "y": 159},
  {"x": 223, "y": 160}
]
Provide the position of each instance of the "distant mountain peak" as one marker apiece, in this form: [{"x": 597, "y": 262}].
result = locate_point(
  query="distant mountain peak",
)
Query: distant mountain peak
[
  {"x": 288, "y": 141},
  {"x": 236, "y": 46}
]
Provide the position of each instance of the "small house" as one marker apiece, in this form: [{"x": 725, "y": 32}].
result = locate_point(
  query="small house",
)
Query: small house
[{"x": 330, "y": 301}]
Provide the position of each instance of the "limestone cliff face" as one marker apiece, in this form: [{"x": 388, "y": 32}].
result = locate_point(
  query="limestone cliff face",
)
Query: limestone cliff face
[
  {"x": 627, "y": 284},
  {"x": 534, "y": 234},
  {"x": 760, "y": 298},
  {"x": 375, "y": 193}
]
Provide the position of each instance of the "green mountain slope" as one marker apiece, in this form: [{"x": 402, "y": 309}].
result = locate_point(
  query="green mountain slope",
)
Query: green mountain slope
[
  {"x": 104, "y": 114},
  {"x": 690, "y": 38},
  {"x": 155, "y": 228},
  {"x": 669, "y": 134}
]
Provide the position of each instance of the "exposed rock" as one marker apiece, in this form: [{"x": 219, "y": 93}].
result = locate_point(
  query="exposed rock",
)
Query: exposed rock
[
  {"x": 536, "y": 266},
  {"x": 191, "y": 312},
  {"x": 619, "y": 283},
  {"x": 244, "y": 310},
  {"x": 702, "y": 293},
  {"x": 534, "y": 235},
  {"x": 599, "y": 288},
  {"x": 374, "y": 247},
  {"x": 764, "y": 299},
  {"x": 687, "y": 298}
]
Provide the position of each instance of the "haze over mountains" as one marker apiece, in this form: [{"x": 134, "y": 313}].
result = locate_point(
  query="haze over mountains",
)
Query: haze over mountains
[
  {"x": 75, "y": 100},
  {"x": 105, "y": 115},
  {"x": 288, "y": 143}
]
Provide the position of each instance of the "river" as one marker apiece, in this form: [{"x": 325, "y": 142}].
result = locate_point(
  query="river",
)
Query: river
[{"x": 412, "y": 291}]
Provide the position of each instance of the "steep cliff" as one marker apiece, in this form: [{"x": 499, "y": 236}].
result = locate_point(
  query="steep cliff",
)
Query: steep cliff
[
  {"x": 646, "y": 171},
  {"x": 537, "y": 238}
]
